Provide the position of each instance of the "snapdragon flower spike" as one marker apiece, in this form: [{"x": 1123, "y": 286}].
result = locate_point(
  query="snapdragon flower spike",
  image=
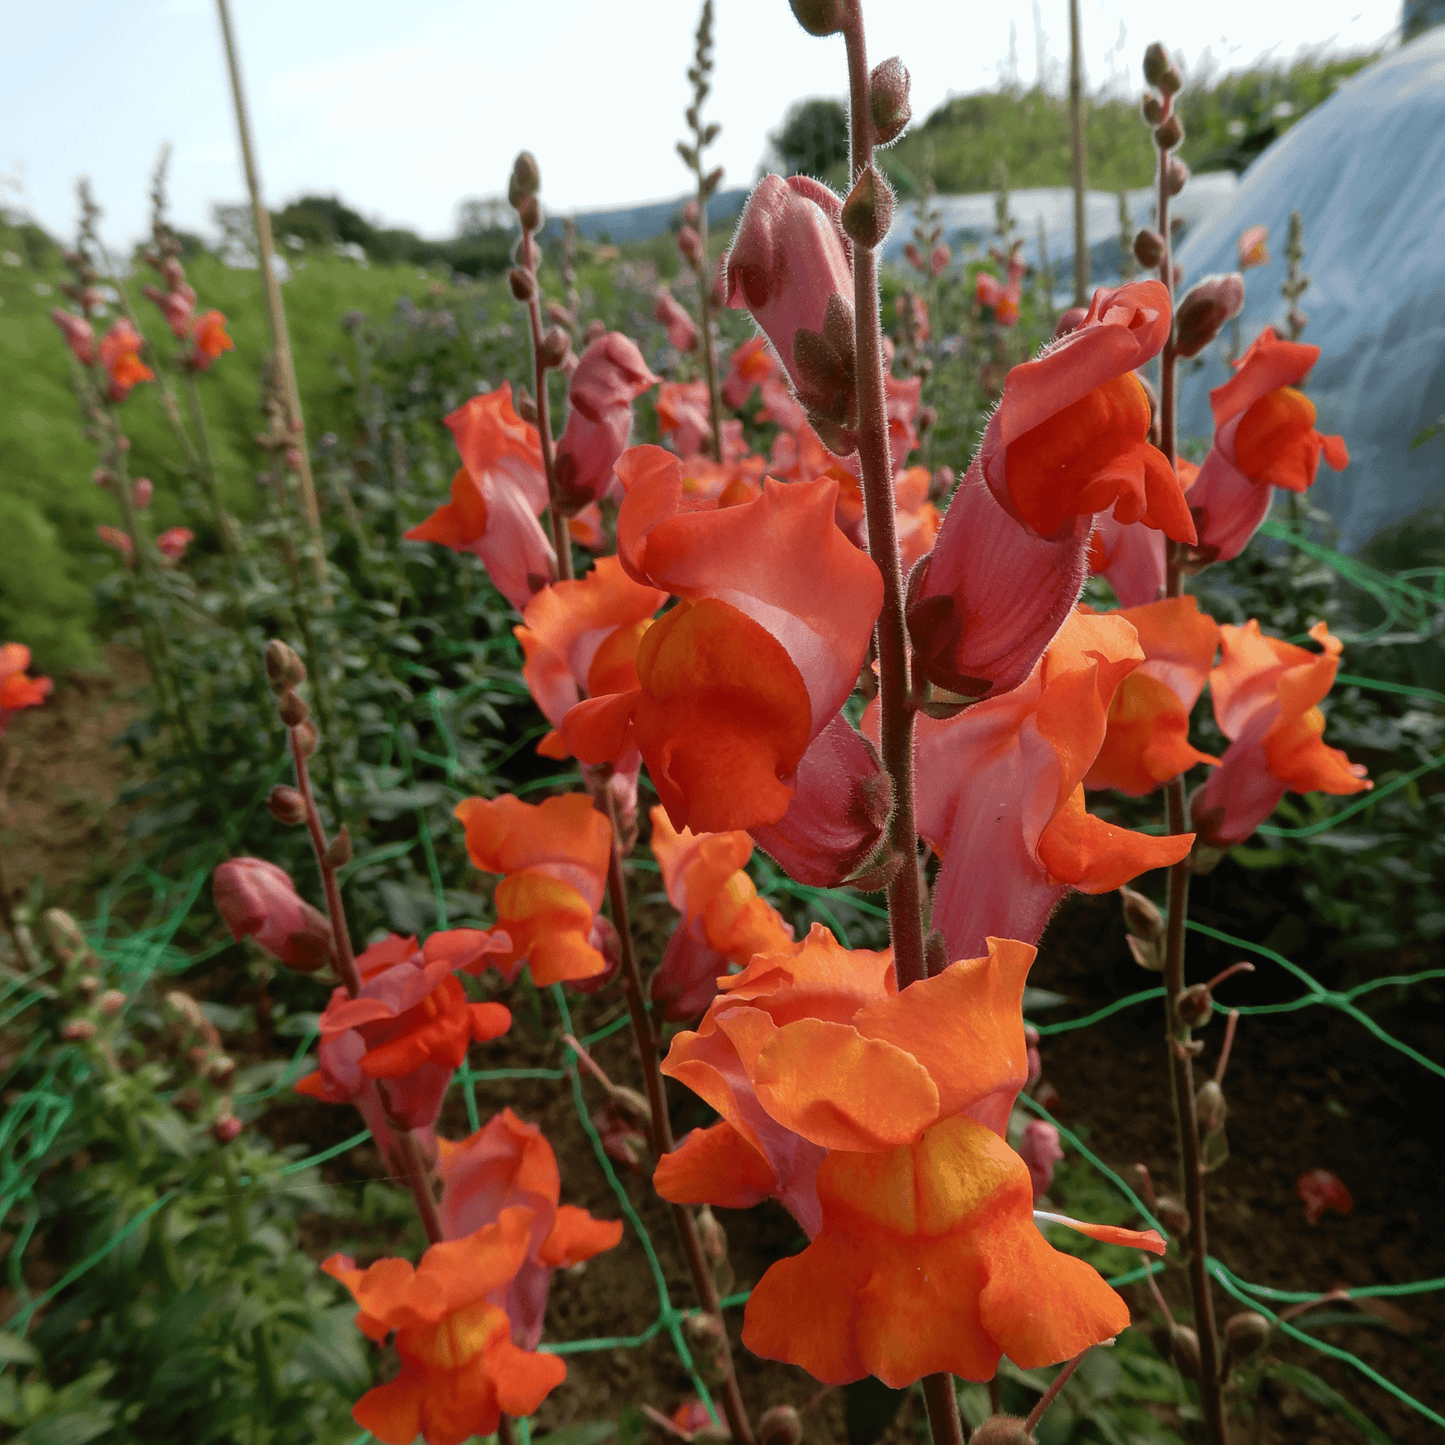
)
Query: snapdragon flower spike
[
  {"x": 838, "y": 814},
  {"x": 177, "y": 304},
  {"x": 775, "y": 611},
  {"x": 724, "y": 922},
  {"x": 790, "y": 264},
  {"x": 1264, "y": 436},
  {"x": 209, "y": 340},
  {"x": 1266, "y": 696},
  {"x": 1004, "y": 808},
  {"x": 410, "y": 1025},
  {"x": 1069, "y": 437},
  {"x": 257, "y": 900},
  {"x": 17, "y": 690},
  {"x": 610, "y": 376},
  {"x": 681, "y": 329},
  {"x": 496, "y": 497},
  {"x": 1002, "y": 297},
  {"x": 877, "y": 1118},
  {"x": 505, "y": 1164},
  {"x": 554, "y": 856},
  {"x": 120, "y": 355},
  {"x": 460, "y": 1370},
  {"x": 78, "y": 333},
  {"x": 1147, "y": 742}
]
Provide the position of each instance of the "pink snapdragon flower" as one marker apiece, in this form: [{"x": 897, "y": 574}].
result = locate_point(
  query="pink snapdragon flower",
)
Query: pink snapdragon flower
[
  {"x": 681, "y": 329},
  {"x": 257, "y": 900},
  {"x": 610, "y": 376}
]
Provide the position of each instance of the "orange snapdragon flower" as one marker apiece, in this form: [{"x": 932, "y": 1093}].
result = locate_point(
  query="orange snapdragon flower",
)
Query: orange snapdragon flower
[
  {"x": 209, "y": 340},
  {"x": 1147, "y": 742},
  {"x": 555, "y": 857},
  {"x": 507, "y": 1163},
  {"x": 1266, "y": 696},
  {"x": 120, "y": 349},
  {"x": 1252, "y": 247},
  {"x": 877, "y": 1117},
  {"x": 724, "y": 921},
  {"x": 16, "y": 689},
  {"x": 459, "y": 1368},
  {"x": 774, "y": 615}
]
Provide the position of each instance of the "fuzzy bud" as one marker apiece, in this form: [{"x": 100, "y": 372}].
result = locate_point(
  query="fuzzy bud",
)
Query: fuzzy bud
[
  {"x": 221, "y": 1070},
  {"x": 306, "y": 738},
  {"x": 707, "y": 1338},
  {"x": 529, "y": 214},
  {"x": 1204, "y": 309},
  {"x": 1159, "y": 68},
  {"x": 1176, "y": 177},
  {"x": 1146, "y": 953},
  {"x": 1148, "y": 248},
  {"x": 338, "y": 851},
  {"x": 555, "y": 346},
  {"x": 291, "y": 709},
  {"x": 111, "y": 1002},
  {"x": 77, "y": 1030},
  {"x": 595, "y": 331},
  {"x": 820, "y": 17},
  {"x": 286, "y": 805},
  {"x": 526, "y": 408},
  {"x": 712, "y": 180},
  {"x": 226, "y": 1128},
  {"x": 1245, "y": 1334},
  {"x": 888, "y": 100},
  {"x": 1173, "y": 1216},
  {"x": 1002, "y": 1430},
  {"x": 1141, "y": 917},
  {"x": 283, "y": 668},
  {"x": 526, "y": 179},
  {"x": 782, "y": 1425},
  {"x": 868, "y": 211},
  {"x": 141, "y": 493},
  {"x": 87, "y": 986},
  {"x": 64, "y": 932},
  {"x": 1194, "y": 1006},
  {"x": 1184, "y": 1347},
  {"x": 714, "y": 1241},
  {"x": 523, "y": 284},
  {"x": 1210, "y": 1107},
  {"x": 1153, "y": 108},
  {"x": 1169, "y": 132},
  {"x": 689, "y": 245}
]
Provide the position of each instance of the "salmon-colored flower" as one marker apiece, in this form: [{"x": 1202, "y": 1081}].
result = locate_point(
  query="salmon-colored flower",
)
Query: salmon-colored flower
[
  {"x": 1264, "y": 436},
  {"x": 610, "y": 376},
  {"x": 1040, "y": 1150},
  {"x": 78, "y": 332},
  {"x": 683, "y": 415},
  {"x": 1266, "y": 696},
  {"x": 177, "y": 304},
  {"x": 505, "y": 1164},
  {"x": 172, "y": 543},
  {"x": 460, "y": 1370},
  {"x": 1148, "y": 738},
  {"x": 1070, "y": 435},
  {"x": 1004, "y": 804},
  {"x": 120, "y": 349},
  {"x": 496, "y": 497},
  {"x": 681, "y": 329},
  {"x": 580, "y": 640},
  {"x": 119, "y": 540},
  {"x": 410, "y": 1025},
  {"x": 210, "y": 340},
  {"x": 751, "y": 365},
  {"x": 915, "y": 518},
  {"x": 939, "y": 257},
  {"x": 790, "y": 265},
  {"x": 776, "y": 609},
  {"x": 724, "y": 922},
  {"x": 555, "y": 857},
  {"x": 258, "y": 900},
  {"x": 1252, "y": 248},
  {"x": 16, "y": 689}
]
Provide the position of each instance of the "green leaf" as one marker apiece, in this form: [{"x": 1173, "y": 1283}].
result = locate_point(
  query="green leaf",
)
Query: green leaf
[
  {"x": 868, "y": 1409},
  {"x": 1313, "y": 1388},
  {"x": 15, "y": 1351},
  {"x": 631, "y": 1426},
  {"x": 332, "y": 1351}
]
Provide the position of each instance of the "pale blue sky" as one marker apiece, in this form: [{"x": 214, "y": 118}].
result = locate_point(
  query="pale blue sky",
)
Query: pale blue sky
[{"x": 404, "y": 108}]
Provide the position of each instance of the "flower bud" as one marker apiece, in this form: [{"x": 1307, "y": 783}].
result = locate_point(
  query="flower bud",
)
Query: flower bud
[
  {"x": 141, "y": 493},
  {"x": 1156, "y": 62},
  {"x": 1194, "y": 1006},
  {"x": 689, "y": 245},
  {"x": 526, "y": 408},
  {"x": 1146, "y": 953},
  {"x": 1141, "y": 916},
  {"x": 529, "y": 214},
  {"x": 283, "y": 668},
  {"x": 1173, "y": 1216},
  {"x": 1176, "y": 177},
  {"x": 1040, "y": 1150},
  {"x": 221, "y": 1070},
  {"x": 868, "y": 211},
  {"x": 338, "y": 851},
  {"x": 1153, "y": 108},
  {"x": 111, "y": 1002},
  {"x": 256, "y": 899},
  {"x": 64, "y": 932},
  {"x": 523, "y": 284},
  {"x": 1245, "y": 1334},
  {"x": 306, "y": 738},
  {"x": 714, "y": 1243},
  {"x": 1210, "y": 1107},
  {"x": 1204, "y": 309},
  {"x": 1169, "y": 132},
  {"x": 78, "y": 1030},
  {"x": 286, "y": 805},
  {"x": 226, "y": 1128},
  {"x": 888, "y": 100},
  {"x": 1184, "y": 1347},
  {"x": 712, "y": 180},
  {"x": 1148, "y": 248},
  {"x": 526, "y": 179},
  {"x": 555, "y": 346},
  {"x": 820, "y": 17},
  {"x": 595, "y": 331},
  {"x": 782, "y": 1425},
  {"x": 1002, "y": 1430},
  {"x": 708, "y": 1341},
  {"x": 292, "y": 709},
  {"x": 87, "y": 986}
]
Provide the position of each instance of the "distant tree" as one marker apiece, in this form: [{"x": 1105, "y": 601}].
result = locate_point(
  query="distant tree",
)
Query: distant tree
[
  {"x": 813, "y": 137},
  {"x": 479, "y": 215}
]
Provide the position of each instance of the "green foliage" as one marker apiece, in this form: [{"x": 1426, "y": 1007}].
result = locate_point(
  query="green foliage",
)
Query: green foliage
[{"x": 813, "y": 138}]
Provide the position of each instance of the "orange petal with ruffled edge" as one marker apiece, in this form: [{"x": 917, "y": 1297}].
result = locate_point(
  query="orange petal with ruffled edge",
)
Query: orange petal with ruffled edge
[
  {"x": 576, "y": 1236},
  {"x": 457, "y": 523},
  {"x": 1147, "y": 742},
  {"x": 1096, "y": 857},
  {"x": 490, "y": 436},
  {"x": 715, "y": 1166},
  {"x": 928, "y": 1261},
  {"x": 565, "y": 836},
  {"x": 550, "y": 923},
  {"x": 1296, "y": 753}
]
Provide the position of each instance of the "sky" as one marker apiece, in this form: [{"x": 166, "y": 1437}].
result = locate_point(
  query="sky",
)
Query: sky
[{"x": 403, "y": 109}]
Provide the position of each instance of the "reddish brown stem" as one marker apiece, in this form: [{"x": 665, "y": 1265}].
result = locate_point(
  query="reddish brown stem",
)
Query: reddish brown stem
[
  {"x": 662, "y": 1140},
  {"x": 1052, "y": 1393},
  {"x": 1229, "y": 1027},
  {"x": 561, "y": 539},
  {"x": 704, "y": 314}
]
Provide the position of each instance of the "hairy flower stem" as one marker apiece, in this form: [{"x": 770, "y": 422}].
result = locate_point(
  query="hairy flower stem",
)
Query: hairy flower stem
[
  {"x": 662, "y": 1140},
  {"x": 1052, "y": 1393},
  {"x": 1176, "y": 1033},
  {"x": 905, "y": 894},
  {"x": 561, "y": 539}
]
